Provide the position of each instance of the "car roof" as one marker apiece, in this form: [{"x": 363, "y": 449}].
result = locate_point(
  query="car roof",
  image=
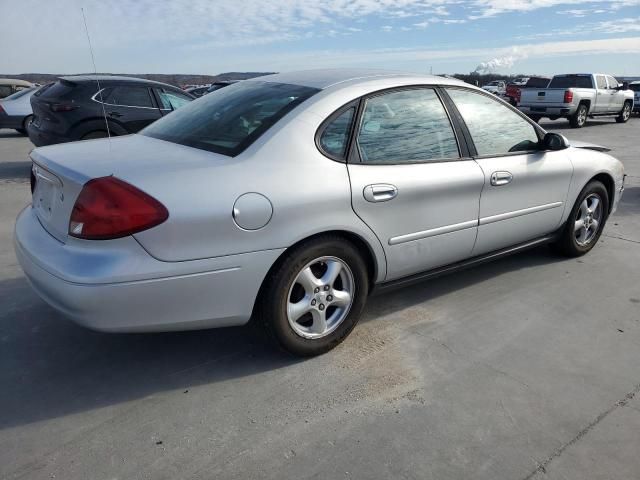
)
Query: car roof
[
  {"x": 111, "y": 78},
  {"x": 325, "y": 78},
  {"x": 15, "y": 81}
]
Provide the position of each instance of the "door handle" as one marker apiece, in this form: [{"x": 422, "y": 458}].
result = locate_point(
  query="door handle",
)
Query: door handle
[
  {"x": 501, "y": 178},
  {"x": 380, "y": 192},
  {"x": 115, "y": 114}
]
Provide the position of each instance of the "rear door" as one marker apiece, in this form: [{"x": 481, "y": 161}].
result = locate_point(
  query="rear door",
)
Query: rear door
[
  {"x": 602, "y": 95},
  {"x": 411, "y": 181},
  {"x": 616, "y": 97},
  {"x": 131, "y": 106},
  {"x": 524, "y": 188}
]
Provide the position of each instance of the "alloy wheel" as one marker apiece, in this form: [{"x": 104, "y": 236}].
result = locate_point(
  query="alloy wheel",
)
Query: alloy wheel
[
  {"x": 320, "y": 297},
  {"x": 588, "y": 219}
]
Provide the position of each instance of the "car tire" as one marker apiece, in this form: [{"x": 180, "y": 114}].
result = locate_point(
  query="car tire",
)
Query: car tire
[
  {"x": 579, "y": 235},
  {"x": 579, "y": 118},
  {"x": 94, "y": 134},
  {"x": 298, "y": 304},
  {"x": 625, "y": 113},
  {"x": 25, "y": 123}
]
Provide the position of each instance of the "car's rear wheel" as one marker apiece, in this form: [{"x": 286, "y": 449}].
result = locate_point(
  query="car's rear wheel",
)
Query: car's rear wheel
[
  {"x": 579, "y": 118},
  {"x": 94, "y": 134},
  {"x": 586, "y": 220},
  {"x": 25, "y": 123},
  {"x": 625, "y": 113},
  {"x": 314, "y": 298}
]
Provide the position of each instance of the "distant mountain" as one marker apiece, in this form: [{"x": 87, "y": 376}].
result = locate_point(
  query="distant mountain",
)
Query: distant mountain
[{"x": 177, "y": 79}]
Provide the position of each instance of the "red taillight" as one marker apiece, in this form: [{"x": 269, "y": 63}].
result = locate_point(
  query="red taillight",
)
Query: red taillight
[
  {"x": 568, "y": 96},
  {"x": 62, "y": 107},
  {"x": 110, "y": 208}
]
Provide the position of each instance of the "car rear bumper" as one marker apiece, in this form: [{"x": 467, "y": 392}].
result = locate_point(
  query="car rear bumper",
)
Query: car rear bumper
[
  {"x": 117, "y": 286},
  {"x": 42, "y": 138},
  {"x": 11, "y": 121},
  {"x": 544, "y": 111}
]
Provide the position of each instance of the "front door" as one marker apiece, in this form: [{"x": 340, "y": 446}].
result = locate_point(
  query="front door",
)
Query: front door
[
  {"x": 616, "y": 96},
  {"x": 411, "y": 184},
  {"x": 525, "y": 189}
]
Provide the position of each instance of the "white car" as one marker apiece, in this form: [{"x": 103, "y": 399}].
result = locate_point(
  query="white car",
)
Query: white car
[
  {"x": 15, "y": 110},
  {"x": 497, "y": 87}
]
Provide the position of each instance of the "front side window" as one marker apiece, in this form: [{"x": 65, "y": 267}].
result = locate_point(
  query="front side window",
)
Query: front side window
[
  {"x": 494, "y": 127},
  {"x": 171, "y": 100},
  {"x": 335, "y": 137},
  {"x": 406, "y": 126},
  {"x": 230, "y": 119},
  {"x": 613, "y": 83},
  {"x": 127, "y": 96}
]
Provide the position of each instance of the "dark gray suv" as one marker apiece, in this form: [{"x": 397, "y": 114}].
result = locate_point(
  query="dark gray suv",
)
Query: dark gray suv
[{"x": 90, "y": 106}]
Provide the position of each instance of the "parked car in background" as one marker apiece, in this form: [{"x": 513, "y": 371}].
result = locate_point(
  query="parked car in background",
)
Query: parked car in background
[
  {"x": 578, "y": 97},
  {"x": 220, "y": 84},
  {"x": 514, "y": 90},
  {"x": 198, "y": 91},
  {"x": 93, "y": 106},
  {"x": 635, "y": 86},
  {"x": 9, "y": 86},
  {"x": 497, "y": 87},
  {"x": 291, "y": 197},
  {"x": 15, "y": 110}
]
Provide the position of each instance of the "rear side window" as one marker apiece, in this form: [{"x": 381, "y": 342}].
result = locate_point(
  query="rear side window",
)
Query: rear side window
[
  {"x": 601, "y": 82},
  {"x": 335, "y": 137},
  {"x": 19, "y": 94},
  {"x": 230, "y": 119},
  {"x": 571, "y": 81},
  {"x": 406, "y": 126},
  {"x": 127, "y": 96}
]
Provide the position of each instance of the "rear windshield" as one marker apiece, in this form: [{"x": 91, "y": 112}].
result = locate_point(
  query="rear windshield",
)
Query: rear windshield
[
  {"x": 571, "y": 81},
  {"x": 635, "y": 87},
  {"x": 228, "y": 120},
  {"x": 56, "y": 90},
  {"x": 20, "y": 93},
  {"x": 537, "y": 82}
]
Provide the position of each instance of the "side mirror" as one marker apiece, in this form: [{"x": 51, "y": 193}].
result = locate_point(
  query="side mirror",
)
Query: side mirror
[
  {"x": 555, "y": 141},
  {"x": 625, "y": 86}
]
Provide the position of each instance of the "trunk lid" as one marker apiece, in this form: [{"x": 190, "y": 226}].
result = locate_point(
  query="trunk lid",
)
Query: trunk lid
[{"x": 60, "y": 171}]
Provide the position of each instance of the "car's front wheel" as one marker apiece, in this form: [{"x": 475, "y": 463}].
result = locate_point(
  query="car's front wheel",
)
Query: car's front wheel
[
  {"x": 314, "y": 298},
  {"x": 586, "y": 221}
]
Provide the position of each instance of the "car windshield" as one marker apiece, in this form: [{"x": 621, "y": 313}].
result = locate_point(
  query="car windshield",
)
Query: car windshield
[
  {"x": 228, "y": 120},
  {"x": 569, "y": 81}
]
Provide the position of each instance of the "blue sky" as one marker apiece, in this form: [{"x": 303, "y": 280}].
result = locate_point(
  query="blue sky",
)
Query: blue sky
[{"x": 212, "y": 36}]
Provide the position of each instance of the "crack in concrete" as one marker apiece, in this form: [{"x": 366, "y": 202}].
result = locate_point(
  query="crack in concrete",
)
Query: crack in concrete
[
  {"x": 542, "y": 467},
  {"x": 621, "y": 238}
]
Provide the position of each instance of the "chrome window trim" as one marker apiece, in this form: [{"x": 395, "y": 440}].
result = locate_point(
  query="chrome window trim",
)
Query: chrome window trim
[{"x": 114, "y": 105}]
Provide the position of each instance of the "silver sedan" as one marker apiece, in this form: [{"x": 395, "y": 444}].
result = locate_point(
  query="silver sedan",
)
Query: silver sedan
[{"x": 290, "y": 198}]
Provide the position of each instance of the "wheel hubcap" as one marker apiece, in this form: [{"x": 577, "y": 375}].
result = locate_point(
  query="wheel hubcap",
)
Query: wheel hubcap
[
  {"x": 582, "y": 117},
  {"x": 588, "y": 219},
  {"x": 320, "y": 297},
  {"x": 627, "y": 112}
]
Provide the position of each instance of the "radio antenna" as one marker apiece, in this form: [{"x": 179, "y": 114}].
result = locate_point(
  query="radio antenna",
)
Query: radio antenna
[{"x": 95, "y": 71}]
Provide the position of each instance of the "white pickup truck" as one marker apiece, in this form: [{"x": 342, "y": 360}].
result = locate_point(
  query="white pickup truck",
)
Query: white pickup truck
[{"x": 577, "y": 97}]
